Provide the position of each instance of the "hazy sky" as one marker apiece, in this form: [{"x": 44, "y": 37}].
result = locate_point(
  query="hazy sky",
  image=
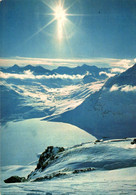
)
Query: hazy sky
[{"x": 93, "y": 28}]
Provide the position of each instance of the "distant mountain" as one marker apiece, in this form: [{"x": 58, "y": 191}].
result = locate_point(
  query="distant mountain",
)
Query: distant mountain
[
  {"x": 94, "y": 70},
  {"x": 110, "y": 112},
  {"x": 37, "y": 70},
  {"x": 91, "y": 71},
  {"x": 90, "y": 74}
]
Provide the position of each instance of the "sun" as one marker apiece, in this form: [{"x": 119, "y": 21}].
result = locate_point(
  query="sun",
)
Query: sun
[
  {"x": 60, "y": 16},
  {"x": 60, "y": 13}
]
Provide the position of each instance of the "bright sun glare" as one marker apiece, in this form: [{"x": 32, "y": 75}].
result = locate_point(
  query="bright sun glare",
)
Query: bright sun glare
[
  {"x": 60, "y": 16},
  {"x": 60, "y": 13}
]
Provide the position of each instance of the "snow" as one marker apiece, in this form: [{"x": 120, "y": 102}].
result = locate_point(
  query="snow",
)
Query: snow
[
  {"x": 117, "y": 179},
  {"x": 85, "y": 166},
  {"x": 102, "y": 182},
  {"x": 102, "y": 155},
  {"x": 110, "y": 112},
  {"x": 39, "y": 100},
  {"x": 21, "y": 141}
]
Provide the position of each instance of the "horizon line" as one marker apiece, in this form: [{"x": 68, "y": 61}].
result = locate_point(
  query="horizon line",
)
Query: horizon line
[{"x": 68, "y": 62}]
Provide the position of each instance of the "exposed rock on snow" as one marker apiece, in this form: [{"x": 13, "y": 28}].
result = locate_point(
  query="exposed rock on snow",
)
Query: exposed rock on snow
[
  {"x": 134, "y": 141},
  {"x": 49, "y": 154},
  {"x": 46, "y": 158},
  {"x": 49, "y": 177},
  {"x": 15, "y": 179},
  {"x": 83, "y": 170}
]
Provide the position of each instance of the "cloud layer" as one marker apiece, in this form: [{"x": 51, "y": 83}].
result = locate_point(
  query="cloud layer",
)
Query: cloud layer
[{"x": 29, "y": 75}]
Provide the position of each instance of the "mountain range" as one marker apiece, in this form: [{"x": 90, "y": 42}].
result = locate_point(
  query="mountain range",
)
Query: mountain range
[
  {"x": 94, "y": 70},
  {"x": 103, "y": 107},
  {"x": 39, "y": 70}
]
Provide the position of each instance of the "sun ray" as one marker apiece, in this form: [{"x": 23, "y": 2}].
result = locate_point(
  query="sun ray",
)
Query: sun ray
[
  {"x": 60, "y": 16},
  {"x": 71, "y": 4},
  {"x": 47, "y": 4},
  {"x": 67, "y": 38},
  {"x": 41, "y": 29}
]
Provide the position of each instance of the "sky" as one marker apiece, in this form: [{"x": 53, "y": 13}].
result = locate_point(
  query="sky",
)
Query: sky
[{"x": 90, "y": 30}]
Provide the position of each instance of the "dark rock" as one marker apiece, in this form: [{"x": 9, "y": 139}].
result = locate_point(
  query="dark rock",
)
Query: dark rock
[
  {"x": 83, "y": 170},
  {"x": 48, "y": 154},
  {"x": 49, "y": 177},
  {"x": 15, "y": 179},
  {"x": 134, "y": 141},
  {"x": 97, "y": 141}
]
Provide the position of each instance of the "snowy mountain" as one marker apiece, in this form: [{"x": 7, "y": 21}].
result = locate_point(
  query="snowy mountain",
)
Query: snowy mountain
[
  {"x": 94, "y": 70},
  {"x": 37, "y": 70},
  {"x": 126, "y": 78},
  {"x": 26, "y": 92},
  {"x": 110, "y": 112}
]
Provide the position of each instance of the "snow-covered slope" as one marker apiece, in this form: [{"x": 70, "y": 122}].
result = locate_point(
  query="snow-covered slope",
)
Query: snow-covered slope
[
  {"x": 15, "y": 105},
  {"x": 86, "y": 157},
  {"x": 22, "y": 141},
  {"x": 110, "y": 112},
  {"x": 105, "y": 167}
]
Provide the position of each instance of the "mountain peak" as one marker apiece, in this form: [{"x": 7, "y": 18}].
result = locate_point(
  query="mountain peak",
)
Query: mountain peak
[
  {"x": 29, "y": 65},
  {"x": 126, "y": 78},
  {"x": 15, "y": 66}
]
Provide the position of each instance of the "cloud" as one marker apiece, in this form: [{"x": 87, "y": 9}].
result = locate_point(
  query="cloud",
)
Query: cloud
[
  {"x": 123, "y": 88},
  {"x": 123, "y": 63},
  {"x": 107, "y": 74},
  {"x": 117, "y": 70},
  {"x": 114, "y": 88},
  {"x": 29, "y": 75},
  {"x": 128, "y": 88},
  {"x": 59, "y": 76}
]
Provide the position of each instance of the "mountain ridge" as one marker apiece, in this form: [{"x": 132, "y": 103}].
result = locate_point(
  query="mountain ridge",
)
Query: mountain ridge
[
  {"x": 19, "y": 69},
  {"x": 60, "y": 70},
  {"x": 110, "y": 112}
]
